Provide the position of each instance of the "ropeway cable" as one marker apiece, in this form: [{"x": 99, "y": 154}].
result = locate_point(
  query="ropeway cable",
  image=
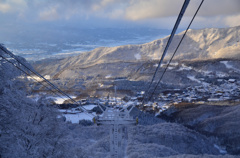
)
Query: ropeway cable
[
  {"x": 26, "y": 73},
  {"x": 39, "y": 75},
  {"x": 183, "y": 9},
  {"x": 175, "y": 51},
  {"x": 84, "y": 110},
  {"x": 35, "y": 79},
  {"x": 141, "y": 113},
  {"x": 36, "y": 73}
]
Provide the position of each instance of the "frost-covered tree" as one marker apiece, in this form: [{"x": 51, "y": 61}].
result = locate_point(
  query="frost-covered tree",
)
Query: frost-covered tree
[{"x": 27, "y": 128}]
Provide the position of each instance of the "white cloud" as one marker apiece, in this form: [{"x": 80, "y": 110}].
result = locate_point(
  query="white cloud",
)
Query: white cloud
[
  {"x": 116, "y": 14},
  {"x": 99, "y": 5},
  {"x": 13, "y": 6},
  {"x": 157, "y": 13},
  {"x": 4, "y": 8},
  {"x": 142, "y": 9},
  {"x": 233, "y": 20},
  {"x": 133, "y": 9},
  {"x": 49, "y": 14},
  {"x": 220, "y": 7}
]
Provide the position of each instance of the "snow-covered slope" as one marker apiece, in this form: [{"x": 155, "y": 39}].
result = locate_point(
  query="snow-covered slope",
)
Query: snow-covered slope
[
  {"x": 198, "y": 44},
  {"x": 137, "y": 62}
]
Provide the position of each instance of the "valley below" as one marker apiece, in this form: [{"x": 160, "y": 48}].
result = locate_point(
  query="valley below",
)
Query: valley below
[
  {"x": 200, "y": 63},
  {"x": 196, "y": 102}
]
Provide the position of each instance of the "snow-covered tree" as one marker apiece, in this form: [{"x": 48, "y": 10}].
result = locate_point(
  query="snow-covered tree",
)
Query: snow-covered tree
[{"x": 27, "y": 128}]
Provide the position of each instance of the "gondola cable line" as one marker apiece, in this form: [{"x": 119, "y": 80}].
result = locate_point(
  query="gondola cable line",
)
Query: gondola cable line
[
  {"x": 56, "y": 92},
  {"x": 175, "y": 51},
  {"x": 148, "y": 98},
  {"x": 39, "y": 75},
  {"x": 148, "y": 90},
  {"x": 182, "y": 11},
  {"x": 26, "y": 73}
]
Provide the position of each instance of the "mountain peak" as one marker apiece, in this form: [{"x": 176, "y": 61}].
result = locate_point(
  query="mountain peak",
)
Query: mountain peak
[{"x": 209, "y": 43}]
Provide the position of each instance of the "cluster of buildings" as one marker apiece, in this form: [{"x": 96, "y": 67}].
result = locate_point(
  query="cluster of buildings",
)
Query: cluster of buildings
[
  {"x": 226, "y": 90},
  {"x": 223, "y": 90}
]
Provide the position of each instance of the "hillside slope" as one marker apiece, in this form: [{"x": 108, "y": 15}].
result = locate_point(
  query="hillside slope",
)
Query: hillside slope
[
  {"x": 103, "y": 66},
  {"x": 212, "y": 120},
  {"x": 198, "y": 44}
]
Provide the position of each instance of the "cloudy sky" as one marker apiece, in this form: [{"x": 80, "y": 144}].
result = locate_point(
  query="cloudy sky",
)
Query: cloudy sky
[{"x": 118, "y": 13}]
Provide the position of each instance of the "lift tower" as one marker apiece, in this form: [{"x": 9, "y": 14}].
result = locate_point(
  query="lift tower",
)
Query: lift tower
[{"x": 118, "y": 119}]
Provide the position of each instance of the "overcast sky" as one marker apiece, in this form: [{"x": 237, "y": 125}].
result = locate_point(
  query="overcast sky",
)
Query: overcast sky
[{"x": 118, "y": 13}]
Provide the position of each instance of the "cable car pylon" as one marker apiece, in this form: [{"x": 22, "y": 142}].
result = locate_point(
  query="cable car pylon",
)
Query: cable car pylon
[{"x": 118, "y": 119}]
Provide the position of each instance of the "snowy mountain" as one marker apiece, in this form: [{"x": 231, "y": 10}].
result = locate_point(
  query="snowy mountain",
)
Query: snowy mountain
[
  {"x": 198, "y": 44},
  {"x": 133, "y": 65}
]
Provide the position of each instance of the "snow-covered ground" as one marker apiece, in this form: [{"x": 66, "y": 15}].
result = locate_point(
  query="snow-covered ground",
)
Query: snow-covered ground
[
  {"x": 138, "y": 56},
  {"x": 57, "y": 99},
  {"x": 184, "y": 67},
  {"x": 75, "y": 118},
  {"x": 108, "y": 76},
  {"x": 90, "y": 107},
  {"x": 36, "y": 78},
  {"x": 222, "y": 150},
  {"x": 193, "y": 78},
  {"x": 60, "y": 100},
  {"x": 229, "y": 66}
]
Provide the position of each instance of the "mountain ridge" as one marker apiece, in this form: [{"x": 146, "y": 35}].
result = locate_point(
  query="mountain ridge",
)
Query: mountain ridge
[
  {"x": 210, "y": 40},
  {"x": 137, "y": 63},
  {"x": 202, "y": 44}
]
